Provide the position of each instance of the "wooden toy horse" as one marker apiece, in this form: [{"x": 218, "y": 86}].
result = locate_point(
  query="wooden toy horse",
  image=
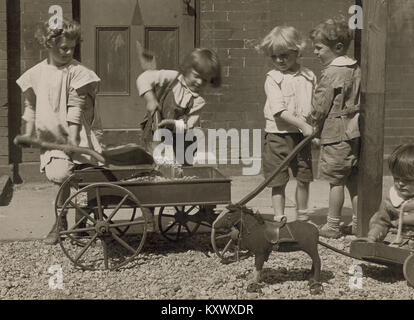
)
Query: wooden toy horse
[{"x": 261, "y": 237}]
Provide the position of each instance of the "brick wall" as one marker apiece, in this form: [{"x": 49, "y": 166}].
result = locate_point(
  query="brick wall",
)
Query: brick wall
[
  {"x": 399, "y": 99},
  {"x": 233, "y": 28},
  {"x": 4, "y": 140}
]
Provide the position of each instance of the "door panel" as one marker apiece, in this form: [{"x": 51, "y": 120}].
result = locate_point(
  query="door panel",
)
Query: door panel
[
  {"x": 164, "y": 41},
  {"x": 111, "y": 29},
  {"x": 112, "y": 60}
]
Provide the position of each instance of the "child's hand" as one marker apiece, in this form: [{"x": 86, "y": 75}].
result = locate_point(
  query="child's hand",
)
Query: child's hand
[
  {"x": 303, "y": 118},
  {"x": 395, "y": 223},
  {"x": 316, "y": 142},
  {"x": 26, "y": 136},
  {"x": 167, "y": 123},
  {"x": 152, "y": 106},
  {"x": 307, "y": 130}
]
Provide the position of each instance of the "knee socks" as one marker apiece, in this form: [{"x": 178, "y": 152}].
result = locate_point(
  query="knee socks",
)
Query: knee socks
[{"x": 333, "y": 223}]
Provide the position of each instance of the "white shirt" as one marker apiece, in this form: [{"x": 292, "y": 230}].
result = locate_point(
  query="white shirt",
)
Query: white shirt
[
  {"x": 343, "y": 61},
  {"x": 151, "y": 79},
  {"x": 287, "y": 91},
  {"x": 51, "y": 85}
]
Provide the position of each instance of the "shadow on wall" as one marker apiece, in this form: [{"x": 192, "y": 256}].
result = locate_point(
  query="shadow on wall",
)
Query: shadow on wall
[{"x": 6, "y": 190}]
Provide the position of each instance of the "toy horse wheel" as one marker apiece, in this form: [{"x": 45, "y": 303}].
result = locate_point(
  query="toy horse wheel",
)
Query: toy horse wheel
[
  {"x": 179, "y": 222},
  {"x": 97, "y": 223},
  {"x": 225, "y": 243},
  {"x": 408, "y": 269}
]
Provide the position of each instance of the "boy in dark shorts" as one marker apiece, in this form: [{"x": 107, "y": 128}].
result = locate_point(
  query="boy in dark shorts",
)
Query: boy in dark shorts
[{"x": 288, "y": 87}]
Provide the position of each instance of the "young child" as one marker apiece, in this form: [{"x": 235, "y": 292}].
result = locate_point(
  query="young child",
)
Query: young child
[
  {"x": 59, "y": 105},
  {"x": 175, "y": 96},
  {"x": 288, "y": 88},
  {"x": 400, "y": 197},
  {"x": 336, "y": 106}
]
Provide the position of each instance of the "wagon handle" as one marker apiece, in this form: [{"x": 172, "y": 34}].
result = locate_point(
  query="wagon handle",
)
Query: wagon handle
[
  {"x": 31, "y": 141},
  {"x": 284, "y": 163}
]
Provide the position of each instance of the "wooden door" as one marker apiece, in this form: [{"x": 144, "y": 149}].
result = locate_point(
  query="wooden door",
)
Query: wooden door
[{"x": 110, "y": 31}]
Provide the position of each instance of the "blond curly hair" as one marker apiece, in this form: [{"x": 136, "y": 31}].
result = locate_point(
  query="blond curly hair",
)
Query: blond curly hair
[
  {"x": 49, "y": 37},
  {"x": 282, "y": 38}
]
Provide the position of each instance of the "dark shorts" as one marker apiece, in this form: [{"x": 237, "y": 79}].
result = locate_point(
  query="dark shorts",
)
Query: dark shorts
[
  {"x": 277, "y": 147},
  {"x": 339, "y": 161}
]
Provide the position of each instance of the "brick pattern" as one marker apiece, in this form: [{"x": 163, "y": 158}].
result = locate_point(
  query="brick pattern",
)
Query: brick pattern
[
  {"x": 4, "y": 140},
  {"x": 399, "y": 99},
  {"x": 233, "y": 28}
]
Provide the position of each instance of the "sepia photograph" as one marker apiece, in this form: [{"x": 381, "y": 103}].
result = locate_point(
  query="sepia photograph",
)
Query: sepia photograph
[{"x": 206, "y": 158}]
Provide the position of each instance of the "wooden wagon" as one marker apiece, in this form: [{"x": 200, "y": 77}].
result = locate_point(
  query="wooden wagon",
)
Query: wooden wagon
[{"x": 105, "y": 229}]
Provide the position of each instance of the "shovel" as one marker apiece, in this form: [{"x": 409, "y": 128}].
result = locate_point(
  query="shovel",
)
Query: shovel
[{"x": 126, "y": 155}]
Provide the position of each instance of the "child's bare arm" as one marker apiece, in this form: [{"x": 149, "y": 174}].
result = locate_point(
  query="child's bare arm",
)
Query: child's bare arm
[
  {"x": 151, "y": 101},
  {"x": 278, "y": 109},
  {"x": 29, "y": 112},
  {"x": 192, "y": 120},
  {"x": 299, "y": 123},
  {"x": 74, "y": 133},
  {"x": 147, "y": 82},
  {"x": 30, "y": 128},
  {"x": 174, "y": 124},
  {"x": 77, "y": 106}
]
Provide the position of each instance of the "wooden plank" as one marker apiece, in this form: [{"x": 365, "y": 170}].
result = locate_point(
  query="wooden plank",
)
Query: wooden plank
[
  {"x": 4, "y": 144},
  {"x": 4, "y": 132},
  {"x": 379, "y": 253},
  {"x": 4, "y": 122},
  {"x": 4, "y": 160},
  {"x": 373, "y": 51},
  {"x": 30, "y": 156},
  {"x": 4, "y": 111}
]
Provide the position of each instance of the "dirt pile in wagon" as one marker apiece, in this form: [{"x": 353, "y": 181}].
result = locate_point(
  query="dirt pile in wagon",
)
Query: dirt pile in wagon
[
  {"x": 156, "y": 179},
  {"x": 191, "y": 270},
  {"x": 163, "y": 173}
]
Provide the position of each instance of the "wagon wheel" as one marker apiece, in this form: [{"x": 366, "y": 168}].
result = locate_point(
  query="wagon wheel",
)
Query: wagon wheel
[
  {"x": 225, "y": 242},
  {"x": 72, "y": 182},
  {"x": 181, "y": 222},
  {"x": 104, "y": 244},
  {"x": 408, "y": 269}
]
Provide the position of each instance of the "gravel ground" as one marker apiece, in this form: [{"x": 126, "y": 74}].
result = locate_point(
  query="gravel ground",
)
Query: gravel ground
[{"x": 190, "y": 270}]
